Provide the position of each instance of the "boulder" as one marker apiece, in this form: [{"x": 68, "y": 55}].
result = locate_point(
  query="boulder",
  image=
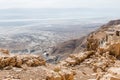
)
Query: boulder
[
  {"x": 75, "y": 59},
  {"x": 19, "y": 62},
  {"x": 115, "y": 49},
  {"x": 71, "y": 61},
  {"x": 29, "y": 63},
  {"x": 6, "y": 60},
  {"x": 12, "y": 61},
  {"x": 36, "y": 62},
  {"x": 57, "y": 69},
  {"x": 92, "y": 43}
]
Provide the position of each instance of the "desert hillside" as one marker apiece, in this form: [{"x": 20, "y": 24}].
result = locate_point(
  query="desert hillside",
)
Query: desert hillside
[
  {"x": 78, "y": 45},
  {"x": 94, "y": 57}
]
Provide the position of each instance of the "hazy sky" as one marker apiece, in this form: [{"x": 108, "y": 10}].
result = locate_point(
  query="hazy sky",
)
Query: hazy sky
[{"x": 109, "y": 4}]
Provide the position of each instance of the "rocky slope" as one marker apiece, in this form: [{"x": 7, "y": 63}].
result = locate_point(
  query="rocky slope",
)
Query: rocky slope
[
  {"x": 68, "y": 47},
  {"x": 98, "y": 61},
  {"x": 78, "y": 45},
  {"x": 30, "y": 67}
]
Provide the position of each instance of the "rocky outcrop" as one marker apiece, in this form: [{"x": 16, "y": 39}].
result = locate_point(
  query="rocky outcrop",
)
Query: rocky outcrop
[
  {"x": 92, "y": 44},
  {"x": 94, "y": 61},
  {"x": 78, "y": 45},
  {"x": 63, "y": 74},
  {"x": 112, "y": 74},
  {"x": 75, "y": 59},
  {"x": 115, "y": 49},
  {"x": 4, "y": 51},
  {"x": 19, "y": 60}
]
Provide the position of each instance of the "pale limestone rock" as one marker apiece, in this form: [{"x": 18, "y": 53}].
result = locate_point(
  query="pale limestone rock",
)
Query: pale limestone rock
[
  {"x": 19, "y": 62},
  {"x": 114, "y": 71},
  {"x": 114, "y": 78},
  {"x": 71, "y": 61},
  {"x": 29, "y": 63}
]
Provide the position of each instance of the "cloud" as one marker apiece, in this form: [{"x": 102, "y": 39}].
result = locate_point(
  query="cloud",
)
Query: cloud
[{"x": 59, "y": 4}]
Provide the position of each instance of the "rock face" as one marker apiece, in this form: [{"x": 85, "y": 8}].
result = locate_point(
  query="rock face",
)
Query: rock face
[
  {"x": 72, "y": 46},
  {"x": 92, "y": 44},
  {"x": 100, "y": 51},
  {"x": 115, "y": 49},
  {"x": 112, "y": 74},
  {"x": 76, "y": 59},
  {"x": 19, "y": 60},
  {"x": 98, "y": 61}
]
